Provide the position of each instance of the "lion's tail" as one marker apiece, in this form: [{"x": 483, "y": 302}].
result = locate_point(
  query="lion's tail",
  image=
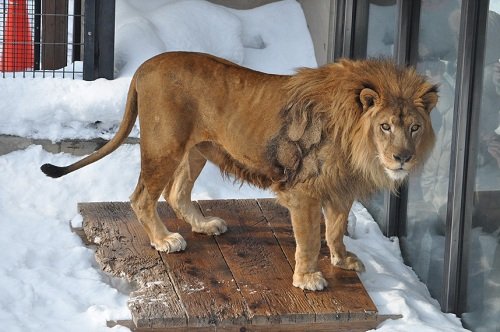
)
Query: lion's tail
[{"x": 124, "y": 130}]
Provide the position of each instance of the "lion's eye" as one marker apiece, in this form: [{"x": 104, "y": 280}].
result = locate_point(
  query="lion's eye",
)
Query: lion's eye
[
  {"x": 385, "y": 127},
  {"x": 415, "y": 128}
]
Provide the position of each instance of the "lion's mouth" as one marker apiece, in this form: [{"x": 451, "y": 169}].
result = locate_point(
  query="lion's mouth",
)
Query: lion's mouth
[{"x": 396, "y": 174}]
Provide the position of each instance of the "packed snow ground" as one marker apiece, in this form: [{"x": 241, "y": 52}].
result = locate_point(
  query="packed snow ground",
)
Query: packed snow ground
[{"x": 49, "y": 280}]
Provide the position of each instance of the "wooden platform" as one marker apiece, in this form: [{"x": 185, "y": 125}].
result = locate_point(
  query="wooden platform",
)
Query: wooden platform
[{"x": 241, "y": 280}]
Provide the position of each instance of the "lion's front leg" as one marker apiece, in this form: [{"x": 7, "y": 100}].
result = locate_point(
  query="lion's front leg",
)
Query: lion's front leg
[
  {"x": 336, "y": 226},
  {"x": 306, "y": 219}
]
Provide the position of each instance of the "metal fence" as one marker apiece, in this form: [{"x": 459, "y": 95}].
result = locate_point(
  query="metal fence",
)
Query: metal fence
[{"x": 41, "y": 38}]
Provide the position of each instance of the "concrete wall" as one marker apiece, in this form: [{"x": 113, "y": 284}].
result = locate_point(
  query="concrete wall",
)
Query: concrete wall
[{"x": 318, "y": 16}]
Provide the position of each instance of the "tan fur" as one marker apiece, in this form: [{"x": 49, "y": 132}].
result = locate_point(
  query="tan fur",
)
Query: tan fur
[{"x": 316, "y": 138}]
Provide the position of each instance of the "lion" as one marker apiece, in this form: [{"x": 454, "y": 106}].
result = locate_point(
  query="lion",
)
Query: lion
[{"x": 319, "y": 139}]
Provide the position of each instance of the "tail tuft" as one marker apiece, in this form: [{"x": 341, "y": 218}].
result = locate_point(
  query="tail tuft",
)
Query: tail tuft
[{"x": 53, "y": 171}]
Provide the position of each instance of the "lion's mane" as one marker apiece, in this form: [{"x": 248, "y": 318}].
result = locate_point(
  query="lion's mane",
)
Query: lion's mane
[{"x": 324, "y": 115}]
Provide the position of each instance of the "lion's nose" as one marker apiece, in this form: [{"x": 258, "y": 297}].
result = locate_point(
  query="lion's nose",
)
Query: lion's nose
[{"x": 403, "y": 157}]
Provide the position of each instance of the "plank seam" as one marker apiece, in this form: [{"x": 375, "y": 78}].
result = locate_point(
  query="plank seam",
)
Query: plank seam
[
  {"x": 247, "y": 312},
  {"x": 316, "y": 313},
  {"x": 274, "y": 234},
  {"x": 174, "y": 285}
]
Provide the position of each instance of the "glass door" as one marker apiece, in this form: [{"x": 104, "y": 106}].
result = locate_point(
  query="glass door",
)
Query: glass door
[
  {"x": 377, "y": 40},
  {"x": 481, "y": 296},
  {"x": 422, "y": 234}
]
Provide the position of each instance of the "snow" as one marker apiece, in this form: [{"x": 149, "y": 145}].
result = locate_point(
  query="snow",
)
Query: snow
[{"x": 49, "y": 281}]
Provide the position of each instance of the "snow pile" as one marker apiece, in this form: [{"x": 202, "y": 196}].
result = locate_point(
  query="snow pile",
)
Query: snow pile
[
  {"x": 59, "y": 108},
  {"x": 209, "y": 29},
  {"x": 393, "y": 286},
  {"x": 48, "y": 280},
  {"x": 253, "y": 38}
]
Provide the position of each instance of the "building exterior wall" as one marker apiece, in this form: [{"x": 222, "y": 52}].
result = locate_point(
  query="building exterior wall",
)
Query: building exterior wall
[{"x": 318, "y": 16}]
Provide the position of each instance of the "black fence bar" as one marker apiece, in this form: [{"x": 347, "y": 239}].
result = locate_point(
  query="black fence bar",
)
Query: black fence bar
[
  {"x": 37, "y": 32},
  {"x": 77, "y": 30},
  {"x": 99, "y": 39}
]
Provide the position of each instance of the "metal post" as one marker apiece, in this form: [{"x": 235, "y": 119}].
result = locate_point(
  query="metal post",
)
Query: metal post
[
  {"x": 342, "y": 29},
  {"x": 360, "y": 37},
  {"x": 349, "y": 29},
  {"x": 99, "y": 39},
  {"x": 462, "y": 171},
  {"x": 405, "y": 53},
  {"x": 407, "y": 27},
  {"x": 337, "y": 9}
]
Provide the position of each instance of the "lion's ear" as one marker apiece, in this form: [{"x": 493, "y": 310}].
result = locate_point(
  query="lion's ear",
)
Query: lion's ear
[
  {"x": 368, "y": 98},
  {"x": 430, "y": 98}
]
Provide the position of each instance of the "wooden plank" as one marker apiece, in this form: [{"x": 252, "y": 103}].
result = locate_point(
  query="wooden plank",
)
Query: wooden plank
[
  {"x": 338, "y": 326},
  {"x": 345, "y": 297},
  {"x": 258, "y": 264},
  {"x": 123, "y": 250},
  {"x": 239, "y": 281},
  {"x": 203, "y": 279}
]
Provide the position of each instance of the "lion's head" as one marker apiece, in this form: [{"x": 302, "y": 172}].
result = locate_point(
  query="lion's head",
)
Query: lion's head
[
  {"x": 373, "y": 113},
  {"x": 394, "y": 128},
  {"x": 399, "y": 127}
]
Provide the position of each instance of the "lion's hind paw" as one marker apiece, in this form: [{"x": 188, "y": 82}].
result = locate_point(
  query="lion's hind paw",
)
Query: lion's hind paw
[
  {"x": 171, "y": 243},
  {"x": 211, "y": 226},
  {"x": 350, "y": 262},
  {"x": 310, "y": 281}
]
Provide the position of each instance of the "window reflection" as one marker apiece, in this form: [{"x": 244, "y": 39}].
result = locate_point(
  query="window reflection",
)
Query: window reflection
[
  {"x": 381, "y": 28},
  {"x": 423, "y": 234},
  {"x": 483, "y": 270}
]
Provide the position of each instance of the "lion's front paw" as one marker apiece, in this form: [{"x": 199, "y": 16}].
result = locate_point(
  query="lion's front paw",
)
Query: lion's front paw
[
  {"x": 212, "y": 226},
  {"x": 350, "y": 262},
  {"x": 171, "y": 243},
  {"x": 310, "y": 281}
]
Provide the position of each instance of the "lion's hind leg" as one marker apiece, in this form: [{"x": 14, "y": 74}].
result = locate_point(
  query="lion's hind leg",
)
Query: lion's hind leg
[
  {"x": 144, "y": 205},
  {"x": 155, "y": 172},
  {"x": 178, "y": 194},
  {"x": 336, "y": 226}
]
